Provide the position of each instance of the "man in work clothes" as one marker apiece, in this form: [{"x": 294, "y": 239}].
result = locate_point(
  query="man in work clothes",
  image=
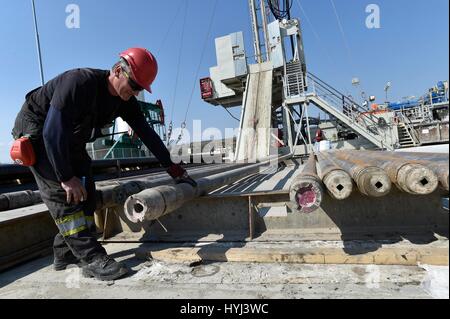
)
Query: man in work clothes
[{"x": 60, "y": 118}]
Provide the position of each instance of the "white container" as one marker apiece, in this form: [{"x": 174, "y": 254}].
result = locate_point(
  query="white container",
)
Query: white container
[{"x": 322, "y": 146}]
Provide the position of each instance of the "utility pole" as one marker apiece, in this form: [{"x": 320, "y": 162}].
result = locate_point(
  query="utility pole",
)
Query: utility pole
[{"x": 38, "y": 43}]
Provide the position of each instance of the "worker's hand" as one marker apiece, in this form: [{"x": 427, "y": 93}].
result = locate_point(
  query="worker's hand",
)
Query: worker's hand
[
  {"x": 180, "y": 175},
  {"x": 75, "y": 191}
]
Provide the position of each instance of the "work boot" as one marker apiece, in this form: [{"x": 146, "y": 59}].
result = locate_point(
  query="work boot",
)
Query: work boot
[
  {"x": 104, "y": 268},
  {"x": 60, "y": 264}
]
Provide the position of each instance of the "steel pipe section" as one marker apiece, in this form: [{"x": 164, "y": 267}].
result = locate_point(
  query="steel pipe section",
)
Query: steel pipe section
[
  {"x": 19, "y": 199},
  {"x": 112, "y": 193},
  {"x": 441, "y": 171},
  {"x": 338, "y": 182},
  {"x": 408, "y": 175},
  {"x": 415, "y": 173},
  {"x": 437, "y": 162},
  {"x": 116, "y": 193},
  {"x": 433, "y": 157},
  {"x": 371, "y": 180},
  {"x": 306, "y": 190},
  {"x": 153, "y": 203}
]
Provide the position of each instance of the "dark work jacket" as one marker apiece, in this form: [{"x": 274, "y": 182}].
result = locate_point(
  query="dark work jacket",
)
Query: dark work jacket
[{"x": 81, "y": 99}]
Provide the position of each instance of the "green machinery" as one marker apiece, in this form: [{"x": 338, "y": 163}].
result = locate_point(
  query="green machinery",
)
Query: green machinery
[{"x": 118, "y": 145}]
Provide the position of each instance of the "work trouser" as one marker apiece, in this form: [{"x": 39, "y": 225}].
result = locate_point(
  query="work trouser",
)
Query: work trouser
[{"x": 75, "y": 222}]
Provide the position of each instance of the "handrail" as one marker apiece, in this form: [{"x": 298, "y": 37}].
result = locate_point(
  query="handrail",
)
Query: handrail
[
  {"x": 343, "y": 101},
  {"x": 411, "y": 131},
  {"x": 337, "y": 93},
  {"x": 351, "y": 110}
]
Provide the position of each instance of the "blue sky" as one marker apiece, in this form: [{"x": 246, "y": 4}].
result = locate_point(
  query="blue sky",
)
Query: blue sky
[{"x": 411, "y": 49}]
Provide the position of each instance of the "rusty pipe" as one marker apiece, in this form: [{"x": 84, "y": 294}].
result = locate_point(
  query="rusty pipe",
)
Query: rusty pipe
[
  {"x": 337, "y": 181},
  {"x": 116, "y": 193},
  {"x": 434, "y": 157},
  {"x": 306, "y": 191},
  {"x": 371, "y": 180},
  {"x": 409, "y": 176},
  {"x": 436, "y": 162},
  {"x": 441, "y": 171},
  {"x": 156, "y": 202},
  {"x": 16, "y": 200}
]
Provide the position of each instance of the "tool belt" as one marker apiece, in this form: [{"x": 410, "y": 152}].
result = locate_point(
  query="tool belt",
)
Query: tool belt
[{"x": 22, "y": 152}]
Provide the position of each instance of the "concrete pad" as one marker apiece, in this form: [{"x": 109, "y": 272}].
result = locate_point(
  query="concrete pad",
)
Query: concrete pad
[{"x": 160, "y": 280}]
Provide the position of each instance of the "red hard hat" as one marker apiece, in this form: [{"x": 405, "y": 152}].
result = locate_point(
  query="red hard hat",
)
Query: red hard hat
[{"x": 144, "y": 67}]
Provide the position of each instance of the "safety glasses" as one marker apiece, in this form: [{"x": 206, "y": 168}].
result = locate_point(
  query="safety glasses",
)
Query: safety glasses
[{"x": 133, "y": 85}]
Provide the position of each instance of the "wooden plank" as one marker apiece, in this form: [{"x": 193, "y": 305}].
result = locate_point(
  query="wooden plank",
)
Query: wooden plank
[{"x": 405, "y": 256}]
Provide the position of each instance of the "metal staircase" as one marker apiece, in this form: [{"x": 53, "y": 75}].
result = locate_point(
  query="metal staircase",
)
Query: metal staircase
[
  {"x": 405, "y": 139},
  {"x": 330, "y": 100},
  {"x": 407, "y": 136}
]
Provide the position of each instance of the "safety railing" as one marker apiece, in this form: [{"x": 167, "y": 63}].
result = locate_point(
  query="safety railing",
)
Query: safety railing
[
  {"x": 420, "y": 113},
  {"x": 293, "y": 85},
  {"x": 116, "y": 153},
  {"x": 354, "y": 114},
  {"x": 409, "y": 127}
]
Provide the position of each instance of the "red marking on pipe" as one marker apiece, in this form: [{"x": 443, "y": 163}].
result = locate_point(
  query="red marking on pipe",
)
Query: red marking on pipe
[{"x": 306, "y": 197}]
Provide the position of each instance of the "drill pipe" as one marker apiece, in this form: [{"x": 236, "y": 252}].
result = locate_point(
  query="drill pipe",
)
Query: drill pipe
[
  {"x": 19, "y": 199},
  {"x": 441, "y": 171},
  {"x": 339, "y": 184},
  {"x": 154, "y": 203},
  {"x": 371, "y": 180},
  {"x": 306, "y": 191},
  {"x": 116, "y": 193},
  {"x": 408, "y": 175},
  {"x": 434, "y": 157},
  {"x": 436, "y": 162},
  {"x": 109, "y": 194}
]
